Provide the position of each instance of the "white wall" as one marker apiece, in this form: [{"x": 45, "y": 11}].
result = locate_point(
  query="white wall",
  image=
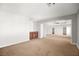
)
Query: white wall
[
  {"x": 41, "y": 30},
  {"x": 78, "y": 30},
  {"x": 69, "y": 32},
  {"x": 14, "y": 28},
  {"x": 47, "y": 29},
  {"x": 74, "y": 29}
]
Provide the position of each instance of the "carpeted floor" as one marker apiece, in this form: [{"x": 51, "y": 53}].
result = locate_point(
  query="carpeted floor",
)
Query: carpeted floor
[{"x": 49, "y": 46}]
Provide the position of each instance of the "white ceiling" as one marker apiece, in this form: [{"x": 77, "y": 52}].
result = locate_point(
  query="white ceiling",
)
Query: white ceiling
[{"x": 40, "y": 11}]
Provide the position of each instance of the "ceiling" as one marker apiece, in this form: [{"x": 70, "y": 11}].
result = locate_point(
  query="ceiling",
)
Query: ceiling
[{"x": 40, "y": 11}]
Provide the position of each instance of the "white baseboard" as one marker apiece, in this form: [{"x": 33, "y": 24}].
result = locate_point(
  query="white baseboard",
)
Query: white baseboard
[
  {"x": 75, "y": 44},
  {"x": 12, "y": 43}
]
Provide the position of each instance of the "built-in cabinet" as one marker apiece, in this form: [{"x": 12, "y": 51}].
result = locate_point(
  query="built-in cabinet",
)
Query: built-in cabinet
[{"x": 33, "y": 35}]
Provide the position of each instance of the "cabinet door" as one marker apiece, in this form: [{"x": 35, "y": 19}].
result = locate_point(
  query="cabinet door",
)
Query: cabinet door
[{"x": 33, "y": 35}]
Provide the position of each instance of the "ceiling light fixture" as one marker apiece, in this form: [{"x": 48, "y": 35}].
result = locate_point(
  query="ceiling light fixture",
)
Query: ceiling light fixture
[{"x": 50, "y": 4}]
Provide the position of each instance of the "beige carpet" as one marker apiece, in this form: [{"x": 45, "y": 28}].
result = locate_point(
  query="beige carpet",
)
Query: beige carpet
[{"x": 49, "y": 46}]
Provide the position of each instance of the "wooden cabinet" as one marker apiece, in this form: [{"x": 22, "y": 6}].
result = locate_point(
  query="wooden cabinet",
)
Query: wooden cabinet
[{"x": 33, "y": 35}]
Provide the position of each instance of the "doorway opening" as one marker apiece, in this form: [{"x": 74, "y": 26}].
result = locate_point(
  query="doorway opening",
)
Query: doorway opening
[{"x": 56, "y": 27}]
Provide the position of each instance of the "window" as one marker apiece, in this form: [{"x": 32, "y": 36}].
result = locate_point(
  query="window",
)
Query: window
[{"x": 64, "y": 30}]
